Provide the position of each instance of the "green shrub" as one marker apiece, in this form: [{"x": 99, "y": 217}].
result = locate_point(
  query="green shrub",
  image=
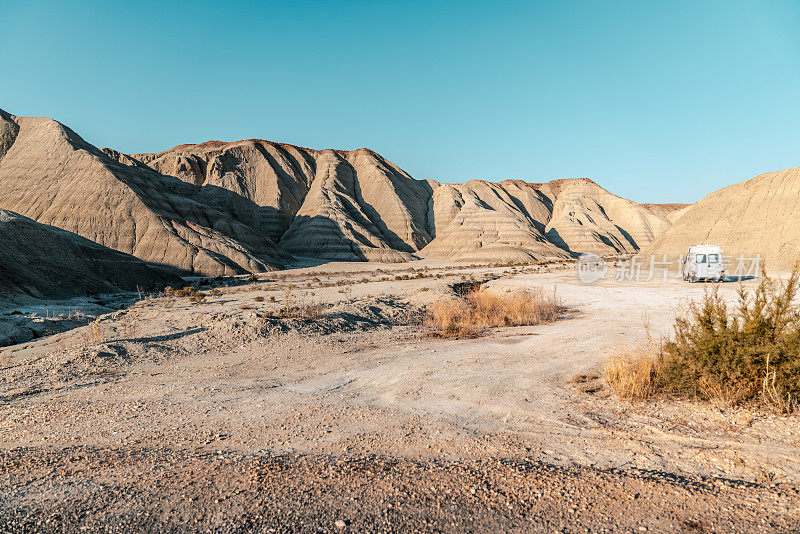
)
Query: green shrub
[{"x": 750, "y": 353}]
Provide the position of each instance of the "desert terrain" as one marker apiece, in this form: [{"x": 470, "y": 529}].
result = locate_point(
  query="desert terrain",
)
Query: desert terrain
[
  {"x": 229, "y": 414},
  {"x": 237, "y": 336}
]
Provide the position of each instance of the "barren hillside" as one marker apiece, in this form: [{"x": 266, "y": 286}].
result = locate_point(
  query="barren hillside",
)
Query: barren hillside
[
  {"x": 671, "y": 212},
  {"x": 251, "y": 206},
  {"x": 357, "y": 205},
  {"x": 757, "y": 216},
  {"x": 50, "y": 174},
  {"x": 30, "y": 268}
]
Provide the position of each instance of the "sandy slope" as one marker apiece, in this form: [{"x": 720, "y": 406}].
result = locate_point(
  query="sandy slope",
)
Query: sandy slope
[{"x": 754, "y": 217}]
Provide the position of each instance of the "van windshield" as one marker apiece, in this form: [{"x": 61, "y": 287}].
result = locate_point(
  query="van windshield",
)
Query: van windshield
[
  {"x": 713, "y": 258},
  {"x": 701, "y": 258}
]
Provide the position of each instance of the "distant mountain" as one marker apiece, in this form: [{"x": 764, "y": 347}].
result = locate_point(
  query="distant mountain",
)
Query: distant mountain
[{"x": 254, "y": 205}]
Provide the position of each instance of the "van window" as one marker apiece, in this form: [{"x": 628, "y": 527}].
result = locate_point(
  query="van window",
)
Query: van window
[
  {"x": 713, "y": 258},
  {"x": 701, "y": 258}
]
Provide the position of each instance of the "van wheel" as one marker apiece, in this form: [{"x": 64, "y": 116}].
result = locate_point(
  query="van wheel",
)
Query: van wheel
[{"x": 692, "y": 279}]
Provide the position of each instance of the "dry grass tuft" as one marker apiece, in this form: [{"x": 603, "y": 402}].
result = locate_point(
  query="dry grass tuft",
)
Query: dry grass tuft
[
  {"x": 479, "y": 310},
  {"x": 634, "y": 375},
  {"x": 94, "y": 333},
  {"x": 198, "y": 297}
]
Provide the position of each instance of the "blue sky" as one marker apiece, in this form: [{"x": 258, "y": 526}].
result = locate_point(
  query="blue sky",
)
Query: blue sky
[{"x": 657, "y": 101}]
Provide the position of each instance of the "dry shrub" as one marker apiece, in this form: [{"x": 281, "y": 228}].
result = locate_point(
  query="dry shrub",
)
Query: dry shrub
[
  {"x": 94, "y": 333},
  {"x": 301, "y": 310},
  {"x": 469, "y": 316},
  {"x": 292, "y": 307},
  {"x": 198, "y": 297},
  {"x": 633, "y": 374},
  {"x": 128, "y": 327}
]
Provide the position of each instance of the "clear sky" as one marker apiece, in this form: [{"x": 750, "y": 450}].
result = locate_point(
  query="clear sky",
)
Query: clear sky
[{"x": 657, "y": 101}]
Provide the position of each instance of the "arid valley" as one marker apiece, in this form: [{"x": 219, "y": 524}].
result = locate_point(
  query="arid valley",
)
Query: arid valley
[
  {"x": 388, "y": 267},
  {"x": 351, "y": 416}
]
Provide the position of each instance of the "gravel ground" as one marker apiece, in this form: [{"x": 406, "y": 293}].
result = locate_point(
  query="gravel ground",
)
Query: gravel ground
[{"x": 127, "y": 489}]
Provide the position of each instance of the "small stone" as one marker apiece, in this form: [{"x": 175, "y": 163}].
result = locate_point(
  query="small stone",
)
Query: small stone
[{"x": 340, "y": 524}]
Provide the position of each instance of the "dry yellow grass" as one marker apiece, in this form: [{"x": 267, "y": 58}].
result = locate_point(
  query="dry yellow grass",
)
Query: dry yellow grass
[
  {"x": 633, "y": 374},
  {"x": 469, "y": 316}
]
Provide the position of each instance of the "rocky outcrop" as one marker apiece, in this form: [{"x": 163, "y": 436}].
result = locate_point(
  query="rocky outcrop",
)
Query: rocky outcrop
[
  {"x": 758, "y": 216},
  {"x": 44, "y": 262}
]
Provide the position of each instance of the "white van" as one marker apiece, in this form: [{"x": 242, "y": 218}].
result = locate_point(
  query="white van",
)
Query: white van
[{"x": 703, "y": 262}]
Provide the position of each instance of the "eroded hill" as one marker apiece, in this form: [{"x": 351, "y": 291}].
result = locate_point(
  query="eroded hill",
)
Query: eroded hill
[
  {"x": 250, "y": 206},
  {"x": 755, "y": 217}
]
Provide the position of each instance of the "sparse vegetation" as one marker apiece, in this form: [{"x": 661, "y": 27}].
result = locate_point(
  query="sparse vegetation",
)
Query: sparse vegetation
[
  {"x": 478, "y": 310},
  {"x": 259, "y": 299},
  {"x": 94, "y": 333},
  {"x": 727, "y": 357},
  {"x": 633, "y": 374},
  {"x": 198, "y": 297}
]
